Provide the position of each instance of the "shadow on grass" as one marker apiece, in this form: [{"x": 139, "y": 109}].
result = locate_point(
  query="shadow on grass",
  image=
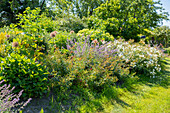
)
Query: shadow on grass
[
  {"x": 74, "y": 99},
  {"x": 79, "y": 99}
]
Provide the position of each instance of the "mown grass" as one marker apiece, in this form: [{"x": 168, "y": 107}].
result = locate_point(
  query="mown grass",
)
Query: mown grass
[{"x": 138, "y": 96}]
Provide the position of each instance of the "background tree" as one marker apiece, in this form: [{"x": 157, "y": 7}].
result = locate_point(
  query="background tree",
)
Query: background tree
[
  {"x": 161, "y": 35},
  {"x": 76, "y": 7},
  {"x": 10, "y": 8},
  {"x": 128, "y": 18}
]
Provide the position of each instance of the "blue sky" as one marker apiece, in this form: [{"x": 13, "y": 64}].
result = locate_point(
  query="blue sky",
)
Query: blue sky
[{"x": 166, "y": 5}]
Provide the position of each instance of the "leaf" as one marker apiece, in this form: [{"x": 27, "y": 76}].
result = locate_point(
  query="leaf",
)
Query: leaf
[{"x": 42, "y": 111}]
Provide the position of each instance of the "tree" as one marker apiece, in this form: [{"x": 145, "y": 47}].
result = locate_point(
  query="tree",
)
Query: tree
[
  {"x": 10, "y": 8},
  {"x": 130, "y": 17},
  {"x": 76, "y": 7},
  {"x": 161, "y": 35}
]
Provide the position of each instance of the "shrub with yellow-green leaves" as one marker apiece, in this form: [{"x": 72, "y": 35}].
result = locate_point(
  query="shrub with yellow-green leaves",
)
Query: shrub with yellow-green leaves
[
  {"x": 96, "y": 34},
  {"x": 24, "y": 73},
  {"x": 33, "y": 23},
  {"x": 59, "y": 40},
  {"x": 2, "y": 37}
]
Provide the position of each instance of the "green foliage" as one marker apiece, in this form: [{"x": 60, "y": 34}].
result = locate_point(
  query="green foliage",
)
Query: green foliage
[
  {"x": 60, "y": 40},
  {"x": 167, "y": 50},
  {"x": 24, "y": 73},
  {"x": 125, "y": 18},
  {"x": 77, "y": 8},
  {"x": 56, "y": 63},
  {"x": 162, "y": 35},
  {"x": 159, "y": 36},
  {"x": 70, "y": 23},
  {"x": 96, "y": 34},
  {"x": 10, "y": 8},
  {"x": 33, "y": 23}
]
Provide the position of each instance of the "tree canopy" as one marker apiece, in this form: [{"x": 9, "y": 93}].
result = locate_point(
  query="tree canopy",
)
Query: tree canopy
[
  {"x": 127, "y": 18},
  {"x": 76, "y": 7},
  {"x": 10, "y": 8}
]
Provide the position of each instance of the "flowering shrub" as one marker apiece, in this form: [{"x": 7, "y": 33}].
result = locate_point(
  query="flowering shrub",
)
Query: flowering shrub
[
  {"x": 141, "y": 58},
  {"x": 92, "y": 65},
  {"x": 24, "y": 73},
  {"x": 8, "y": 100}
]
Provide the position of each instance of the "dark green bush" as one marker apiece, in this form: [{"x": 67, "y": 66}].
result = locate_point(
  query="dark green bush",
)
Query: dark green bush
[
  {"x": 24, "y": 73},
  {"x": 167, "y": 50},
  {"x": 71, "y": 23}
]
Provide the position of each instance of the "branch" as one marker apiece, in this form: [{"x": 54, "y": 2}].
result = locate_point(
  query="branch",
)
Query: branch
[
  {"x": 20, "y": 2},
  {"x": 42, "y": 4}
]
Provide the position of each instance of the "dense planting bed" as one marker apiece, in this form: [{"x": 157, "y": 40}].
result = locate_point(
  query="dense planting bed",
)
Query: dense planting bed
[{"x": 89, "y": 70}]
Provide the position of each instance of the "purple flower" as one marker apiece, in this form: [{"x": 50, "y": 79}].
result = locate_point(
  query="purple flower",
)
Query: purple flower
[
  {"x": 7, "y": 36},
  {"x": 68, "y": 47}
]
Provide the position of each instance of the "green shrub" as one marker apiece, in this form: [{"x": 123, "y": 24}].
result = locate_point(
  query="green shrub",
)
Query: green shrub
[
  {"x": 71, "y": 23},
  {"x": 167, "y": 50},
  {"x": 24, "y": 73},
  {"x": 60, "y": 39},
  {"x": 33, "y": 23},
  {"x": 96, "y": 34},
  {"x": 111, "y": 25}
]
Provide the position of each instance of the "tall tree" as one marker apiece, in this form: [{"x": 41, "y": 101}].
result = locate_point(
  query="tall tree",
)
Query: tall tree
[
  {"x": 76, "y": 7},
  {"x": 10, "y": 8},
  {"x": 130, "y": 16}
]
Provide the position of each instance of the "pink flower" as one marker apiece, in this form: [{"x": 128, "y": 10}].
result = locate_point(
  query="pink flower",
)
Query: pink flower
[
  {"x": 95, "y": 41},
  {"x": 53, "y": 34},
  {"x": 71, "y": 32},
  {"x": 7, "y": 36}
]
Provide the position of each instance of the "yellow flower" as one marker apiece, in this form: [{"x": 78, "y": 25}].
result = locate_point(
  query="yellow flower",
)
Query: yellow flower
[{"x": 2, "y": 37}]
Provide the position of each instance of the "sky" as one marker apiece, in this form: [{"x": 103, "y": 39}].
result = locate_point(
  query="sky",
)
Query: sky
[{"x": 166, "y": 5}]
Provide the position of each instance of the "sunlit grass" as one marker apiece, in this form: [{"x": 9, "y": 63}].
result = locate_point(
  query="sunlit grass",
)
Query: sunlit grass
[{"x": 142, "y": 98}]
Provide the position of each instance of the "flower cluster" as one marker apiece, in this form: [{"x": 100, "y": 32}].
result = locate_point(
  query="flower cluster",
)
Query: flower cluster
[
  {"x": 86, "y": 48},
  {"x": 9, "y": 100},
  {"x": 141, "y": 57}
]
